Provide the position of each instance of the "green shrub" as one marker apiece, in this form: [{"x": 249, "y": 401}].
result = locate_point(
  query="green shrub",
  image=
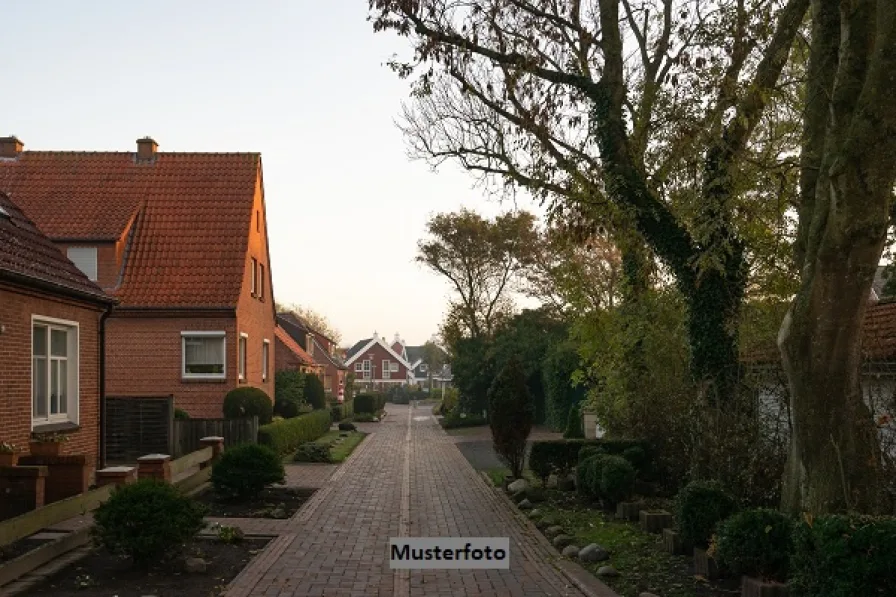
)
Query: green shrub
[
  {"x": 511, "y": 415},
  {"x": 285, "y": 436},
  {"x": 437, "y": 409},
  {"x": 637, "y": 456},
  {"x": 181, "y": 415},
  {"x": 244, "y": 471},
  {"x": 455, "y": 420},
  {"x": 541, "y": 466},
  {"x": 574, "y": 429},
  {"x": 287, "y": 409},
  {"x": 589, "y": 450},
  {"x": 588, "y": 475},
  {"x": 248, "y": 402},
  {"x": 756, "y": 543},
  {"x": 561, "y": 395},
  {"x": 313, "y": 452},
  {"x": 563, "y": 454},
  {"x": 844, "y": 556},
  {"x": 146, "y": 520},
  {"x": 369, "y": 403},
  {"x": 617, "y": 475},
  {"x": 450, "y": 398},
  {"x": 314, "y": 392},
  {"x": 346, "y": 426},
  {"x": 289, "y": 386},
  {"x": 699, "y": 507}
]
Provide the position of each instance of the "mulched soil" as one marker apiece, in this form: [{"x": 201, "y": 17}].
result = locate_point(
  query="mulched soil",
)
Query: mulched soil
[
  {"x": 103, "y": 575},
  {"x": 273, "y": 502},
  {"x": 20, "y": 547}
]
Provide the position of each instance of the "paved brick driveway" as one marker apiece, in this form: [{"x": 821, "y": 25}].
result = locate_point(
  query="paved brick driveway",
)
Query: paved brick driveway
[{"x": 408, "y": 478}]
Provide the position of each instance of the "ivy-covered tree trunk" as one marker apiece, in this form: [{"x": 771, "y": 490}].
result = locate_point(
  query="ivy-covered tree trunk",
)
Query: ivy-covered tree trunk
[{"x": 846, "y": 186}]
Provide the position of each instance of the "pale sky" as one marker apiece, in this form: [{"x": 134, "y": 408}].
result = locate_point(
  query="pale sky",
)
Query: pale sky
[{"x": 303, "y": 82}]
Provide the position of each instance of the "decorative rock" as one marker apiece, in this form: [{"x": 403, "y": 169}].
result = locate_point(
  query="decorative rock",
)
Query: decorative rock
[
  {"x": 553, "y": 531},
  {"x": 570, "y": 551},
  {"x": 525, "y": 505},
  {"x": 607, "y": 571},
  {"x": 518, "y": 485},
  {"x": 561, "y": 541},
  {"x": 593, "y": 553},
  {"x": 195, "y": 565},
  {"x": 536, "y": 513}
]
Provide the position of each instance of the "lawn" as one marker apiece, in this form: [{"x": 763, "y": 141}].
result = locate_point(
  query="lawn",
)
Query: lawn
[{"x": 338, "y": 451}]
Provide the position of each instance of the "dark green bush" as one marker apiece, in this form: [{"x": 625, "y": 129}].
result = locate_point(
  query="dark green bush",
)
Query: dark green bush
[
  {"x": 146, "y": 520},
  {"x": 289, "y": 386},
  {"x": 244, "y": 471},
  {"x": 454, "y": 420},
  {"x": 617, "y": 475},
  {"x": 756, "y": 543},
  {"x": 365, "y": 418},
  {"x": 541, "y": 466},
  {"x": 637, "y": 456},
  {"x": 563, "y": 454},
  {"x": 181, "y": 415},
  {"x": 561, "y": 396},
  {"x": 588, "y": 475},
  {"x": 313, "y": 452},
  {"x": 287, "y": 409},
  {"x": 844, "y": 556},
  {"x": 285, "y": 436},
  {"x": 369, "y": 403},
  {"x": 248, "y": 402},
  {"x": 699, "y": 507},
  {"x": 314, "y": 392},
  {"x": 589, "y": 450},
  {"x": 574, "y": 429},
  {"x": 347, "y": 427},
  {"x": 511, "y": 415}
]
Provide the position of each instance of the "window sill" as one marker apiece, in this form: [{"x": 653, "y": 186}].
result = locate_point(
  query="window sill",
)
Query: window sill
[
  {"x": 203, "y": 379},
  {"x": 60, "y": 427}
]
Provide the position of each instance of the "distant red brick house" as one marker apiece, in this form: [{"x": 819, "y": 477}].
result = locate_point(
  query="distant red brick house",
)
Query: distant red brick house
[
  {"x": 50, "y": 340},
  {"x": 291, "y": 356},
  {"x": 180, "y": 239},
  {"x": 321, "y": 348},
  {"x": 377, "y": 365}
]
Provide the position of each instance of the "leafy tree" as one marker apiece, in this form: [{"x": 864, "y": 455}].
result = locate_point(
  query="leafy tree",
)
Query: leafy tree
[
  {"x": 539, "y": 95},
  {"x": 561, "y": 392},
  {"x": 316, "y": 321},
  {"x": 433, "y": 357},
  {"x": 511, "y": 415},
  {"x": 845, "y": 201},
  {"x": 472, "y": 368},
  {"x": 314, "y": 391},
  {"x": 482, "y": 259}
]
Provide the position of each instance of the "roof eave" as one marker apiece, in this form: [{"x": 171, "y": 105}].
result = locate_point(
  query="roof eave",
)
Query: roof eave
[{"x": 56, "y": 288}]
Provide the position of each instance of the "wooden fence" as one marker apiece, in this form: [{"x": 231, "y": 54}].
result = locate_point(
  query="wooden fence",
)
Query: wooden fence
[
  {"x": 188, "y": 432},
  {"x": 134, "y": 426}
]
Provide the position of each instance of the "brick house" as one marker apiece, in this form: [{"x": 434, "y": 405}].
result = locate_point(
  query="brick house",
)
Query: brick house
[
  {"x": 291, "y": 356},
  {"x": 180, "y": 239},
  {"x": 322, "y": 349},
  {"x": 377, "y": 365},
  {"x": 51, "y": 319}
]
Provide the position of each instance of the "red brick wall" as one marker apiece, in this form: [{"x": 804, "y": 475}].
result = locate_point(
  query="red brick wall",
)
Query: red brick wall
[
  {"x": 255, "y": 314},
  {"x": 144, "y": 358},
  {"x": 16, "y": 308},
  {"x": 379, "y": 353},
  {"x": 107, "y": 261}
]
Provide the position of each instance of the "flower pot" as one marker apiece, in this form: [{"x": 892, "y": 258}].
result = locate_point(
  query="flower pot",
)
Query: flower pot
[
  {"x": 654, "y": 521},
  {"x": 46, "y": 448},
  {"x": 704, "y": 565},
  {"x": 674, "y": 544},
  {"x": 628, "y": 510},
  {"x": 9, "y": 459},
  {"x": 756, "y": 587}
]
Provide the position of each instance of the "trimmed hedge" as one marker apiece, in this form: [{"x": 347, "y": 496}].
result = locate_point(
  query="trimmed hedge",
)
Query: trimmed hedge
[
  {"x": 343, "y": 411},
  {"x": 844, "y": 556},
  {"x": 756, "y": 543},
  {"x": 285, "y": 436},
  {"x": 369, "y": 403},
  {"x": 699, "y": 507},
  {"x": 563, "y": 454},
  {"x": 248, "y": 402}
]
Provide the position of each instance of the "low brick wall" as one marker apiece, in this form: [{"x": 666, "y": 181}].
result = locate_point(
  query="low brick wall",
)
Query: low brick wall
[{"x": 67, "y": 476}]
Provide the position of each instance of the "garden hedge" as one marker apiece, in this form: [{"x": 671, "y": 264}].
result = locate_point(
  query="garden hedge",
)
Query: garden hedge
[
  {"x": 563, "y": 454},
  {"x": 342, "y": 411},
  {"x": 370, "y": 403},
  {"x": 285, "y": 436}
]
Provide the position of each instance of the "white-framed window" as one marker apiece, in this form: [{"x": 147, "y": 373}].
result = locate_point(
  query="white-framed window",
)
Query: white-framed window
[
  {"x": 367, "y": 368},
  {"x": 265, "y": 358},
  {"x": 423, "y": 367},
  {"x": 394, "y": 366},
  {"x": 84, "y": 259},
  {"x": 261, "y": 280},
  {"x": 54, "y": 370},
  {"x": 241, "y": 357},
  {"x": 359, "y": 366},
  {"x": 254, "y": 276},
  {"x": 387, "y": 369},
  {"x": 203, "y": 354}
]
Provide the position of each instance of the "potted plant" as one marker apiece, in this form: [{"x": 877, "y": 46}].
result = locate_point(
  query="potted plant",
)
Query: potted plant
[
  {"x": 756, "y": 544},
  {"x": 47, "y": 444},
  {"x": 9, "y": 454}
]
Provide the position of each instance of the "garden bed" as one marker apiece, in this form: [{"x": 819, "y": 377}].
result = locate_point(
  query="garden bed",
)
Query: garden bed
[
  {"x": 101, "y": 574},
  {"x": 273, "y": 502},
  {"x": 21, "y": 547}
]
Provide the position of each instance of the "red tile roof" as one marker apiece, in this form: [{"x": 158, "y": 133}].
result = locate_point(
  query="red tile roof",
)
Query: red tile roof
[
  {"x": 26, "y": 255},
  {"x": 291, "y": 344},
  {"x": 193, "y": 216}
]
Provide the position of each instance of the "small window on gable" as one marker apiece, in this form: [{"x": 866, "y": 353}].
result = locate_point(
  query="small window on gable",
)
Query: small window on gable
[
  {"x": 254, "y": 276},
  {"x": 260, "y": 280},
  {"x": 84, "y": 259},
  {"x": 257, "y": 220}
]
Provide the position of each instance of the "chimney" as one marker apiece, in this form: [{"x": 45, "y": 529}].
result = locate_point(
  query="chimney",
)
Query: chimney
[
  {"x": 146, "y": 149},
  {"x": 10, "y": 147},
  {"x": 397, "y": 338}
]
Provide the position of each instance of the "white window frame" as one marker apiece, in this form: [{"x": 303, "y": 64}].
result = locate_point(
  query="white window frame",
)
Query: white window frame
[
  {"x": 260, "y": 280},
  {"x": 394, "y": 365},
  {"x": 423, "y": 367},
  {"x": 88, "y": 255},
  {"x": 183, "y": 354},
  {"x": 367, "y": 367},
  {"x": 387, "y": 369},
  {"x": 253, "y": 262},
  {"x": 73, "y": 369},
  {"x": 265, "y": 358},
  {"x": 359, "y": 367},
  {"x": 242, "y": 357}
]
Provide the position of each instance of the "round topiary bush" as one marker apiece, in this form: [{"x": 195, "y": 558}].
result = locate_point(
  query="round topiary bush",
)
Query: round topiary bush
[
  {"x": 588, "y": 474},
  {"x": 244, "y": 471},
  {"x": 314, "y": 392},
  {"x": 146, "y": 520},
  {"x": 617, "y": 476},
  {"x": 756, "y": 543},
  {"x": 699, "y": 507},
  {"x": 588, "y": 452},
  {"x": 248, "y": 402}
]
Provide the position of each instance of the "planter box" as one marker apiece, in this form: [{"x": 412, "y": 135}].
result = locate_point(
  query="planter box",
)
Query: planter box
[
  {"x": 704, "y": 565},
  {"x": 9, "y": 459},
  {"x": 654, "y": 521},
  {"x": 756, "y": 587},
  {"x": 46, "y": 448},
  {"x": 674, "y": 544},
  {"x": 628, "y": 511}
]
